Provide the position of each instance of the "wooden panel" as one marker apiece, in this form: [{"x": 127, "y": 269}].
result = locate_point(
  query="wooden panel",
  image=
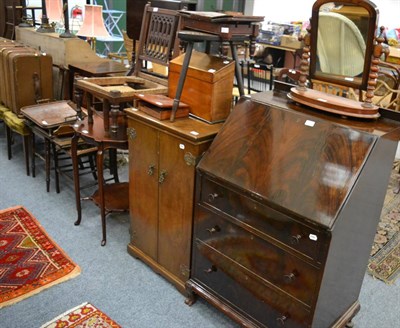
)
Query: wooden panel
[
  {"x": 176, "y": 205},
  {"x": 273, "y": 264},
  {"x": 24, "y": 70},
  {"x": 208, "y": 86},
  {"x": 143, "y": 188},
  {"x": 65, "y": 51},
  {"x": 242, "y": 289},
  {"x": 269, "y": 223}
]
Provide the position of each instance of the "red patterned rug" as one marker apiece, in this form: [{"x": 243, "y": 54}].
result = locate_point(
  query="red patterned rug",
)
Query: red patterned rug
[
  {"x": 85, "y": 315},
  {"x": 384, "y": 262},
  {"x": 30, "y": 260}
]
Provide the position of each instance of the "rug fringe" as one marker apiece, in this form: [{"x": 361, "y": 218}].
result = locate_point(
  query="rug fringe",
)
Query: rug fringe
[{"x": 63, "y": 314}]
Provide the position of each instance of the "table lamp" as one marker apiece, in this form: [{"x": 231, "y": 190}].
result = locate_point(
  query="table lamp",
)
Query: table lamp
[
  {"x": 54, "y": 10},
  {"x": 93, "y": 24}
]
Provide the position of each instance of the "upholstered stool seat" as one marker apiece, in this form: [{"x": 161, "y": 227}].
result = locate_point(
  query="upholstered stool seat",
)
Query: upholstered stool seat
[
  {"x": 15, "y": 124},
  {"x": 3, "y": 109}
]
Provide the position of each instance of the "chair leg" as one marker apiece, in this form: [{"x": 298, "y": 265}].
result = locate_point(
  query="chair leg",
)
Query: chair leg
[
  {"x": 26, "y": 141},
  {"x": 113, "y": 164},
  {"x": 102, "y": 202},
  {"x": 33, "y": 152},
  {"x": 92, "y": 166},
  {"x": 56, "y": 174},
  {"x": 9, "y": 141}
]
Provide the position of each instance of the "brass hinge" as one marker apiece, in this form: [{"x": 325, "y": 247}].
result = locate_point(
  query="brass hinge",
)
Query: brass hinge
[
  {"x": 190, "y": 159},
  {"x": 185, "y": 271}
]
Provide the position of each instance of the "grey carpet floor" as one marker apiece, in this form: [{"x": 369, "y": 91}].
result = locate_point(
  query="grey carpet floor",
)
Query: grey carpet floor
[{"x": 122, "y": 286}]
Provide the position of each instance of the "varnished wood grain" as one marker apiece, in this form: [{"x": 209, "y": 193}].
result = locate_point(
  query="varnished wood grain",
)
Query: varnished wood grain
[
  {"x": 277, "y": 156},
  {"x": 162, "y": 163}
]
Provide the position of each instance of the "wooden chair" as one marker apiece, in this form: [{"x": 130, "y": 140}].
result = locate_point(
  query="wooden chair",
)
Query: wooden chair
[
  {"x": 129, "y": 53},
  {"x": 158, "y": 43},
  {"x": 106, "y": 130},
  {"x": 260, "y": 77}
]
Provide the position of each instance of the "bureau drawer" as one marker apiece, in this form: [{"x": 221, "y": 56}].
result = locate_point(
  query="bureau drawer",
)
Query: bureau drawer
[
  {"x": 266, "y": 220},
  {"x": 277, "y": 266},
  {"x": 243, "y": 290}
]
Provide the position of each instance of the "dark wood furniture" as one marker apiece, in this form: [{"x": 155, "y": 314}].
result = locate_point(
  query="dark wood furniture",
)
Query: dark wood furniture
[
  {"x": 43, "y": 119},
  {"x": 162, "y": 160},
  {"x": 351, "y": 62},
  {"x": 208, "y": 85},
  {"x": 134, "y": 12},
  {"x": 287, "y": 204},
  {"x": 100, "y": 67},
  {"x": 214, "y": 27},
  {"x": 106, "y": 132}
]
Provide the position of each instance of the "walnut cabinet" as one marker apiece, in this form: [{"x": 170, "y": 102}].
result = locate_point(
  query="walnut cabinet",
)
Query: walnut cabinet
[{"x": 162, "y": 159}]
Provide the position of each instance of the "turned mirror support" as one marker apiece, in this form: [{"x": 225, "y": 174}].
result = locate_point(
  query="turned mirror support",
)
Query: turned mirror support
[{"x": 373, "y": 75}]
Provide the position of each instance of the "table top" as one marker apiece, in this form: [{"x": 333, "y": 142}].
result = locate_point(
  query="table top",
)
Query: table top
[
  {"x": 50, "y": 115},
  {"x": 98, "y": 68}
]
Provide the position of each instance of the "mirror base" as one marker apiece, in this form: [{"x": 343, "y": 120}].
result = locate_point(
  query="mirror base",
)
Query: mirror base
[{"x": 332, "y": 103}]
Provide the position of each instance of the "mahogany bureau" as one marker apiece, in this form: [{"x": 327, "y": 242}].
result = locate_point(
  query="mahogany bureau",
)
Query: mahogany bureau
[{"x": 287, "y": 205}]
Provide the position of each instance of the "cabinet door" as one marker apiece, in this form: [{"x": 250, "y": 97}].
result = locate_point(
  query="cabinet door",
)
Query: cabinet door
[
  {"x": 176, "y": 205},
  {"x": 143, "y": 188}
]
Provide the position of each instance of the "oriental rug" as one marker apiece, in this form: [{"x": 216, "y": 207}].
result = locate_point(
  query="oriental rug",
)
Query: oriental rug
[
  {"x": 384, "y": 262},
  {"x": 83, "y": 316},
  {"x": 30, "y": 261}
]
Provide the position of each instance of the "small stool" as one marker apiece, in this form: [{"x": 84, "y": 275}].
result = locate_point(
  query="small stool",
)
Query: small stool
[{"x": 195, "y": 36}]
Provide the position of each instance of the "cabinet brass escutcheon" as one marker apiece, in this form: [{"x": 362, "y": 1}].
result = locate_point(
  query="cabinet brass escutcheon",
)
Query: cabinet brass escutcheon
[{"x": 131, "y": 132}]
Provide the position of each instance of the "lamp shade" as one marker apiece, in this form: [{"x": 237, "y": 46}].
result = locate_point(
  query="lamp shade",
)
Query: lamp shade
[
  {"x": 54, "y": 10},
  {"x": 93, "y": 23}
]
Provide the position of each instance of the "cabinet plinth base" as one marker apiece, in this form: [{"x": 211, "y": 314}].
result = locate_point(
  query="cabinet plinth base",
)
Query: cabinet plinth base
[{"x": 137, "y": 253}]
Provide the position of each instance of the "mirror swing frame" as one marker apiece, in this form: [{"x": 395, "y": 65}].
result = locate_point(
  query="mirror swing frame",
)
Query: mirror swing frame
[{"x": 332, "y": 103}]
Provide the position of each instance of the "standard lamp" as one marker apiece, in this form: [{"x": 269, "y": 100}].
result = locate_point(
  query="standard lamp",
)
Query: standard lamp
[
  {"x": 45, "y": 27},
  {"x": 67, "y": 33},
  {"x": 54, "y": 10},
  {"x": 93, "y": 24}
]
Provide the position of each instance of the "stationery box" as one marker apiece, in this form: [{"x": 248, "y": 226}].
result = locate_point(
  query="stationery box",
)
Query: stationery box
[
  {"x": 160, "y": 106},
  {"x": 208, "y": 85},
  {"x": 291, "y": 42},
  {"x": 394, "y": 56}
]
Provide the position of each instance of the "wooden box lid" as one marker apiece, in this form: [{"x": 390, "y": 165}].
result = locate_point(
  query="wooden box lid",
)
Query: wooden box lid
[{"x": 204, "y": 67}]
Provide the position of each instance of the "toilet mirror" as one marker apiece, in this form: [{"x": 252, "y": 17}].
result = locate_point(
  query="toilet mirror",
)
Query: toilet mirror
[{"x": 342, "y": 39}]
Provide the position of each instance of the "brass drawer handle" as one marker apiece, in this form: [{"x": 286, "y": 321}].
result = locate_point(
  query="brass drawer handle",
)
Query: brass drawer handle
[
  {"x": 281, "y": 320},
  {"x": 289, "y": 277},
  {"x": 150, "y": 170},
  {"x": 212, "y": 197},
  {"x": 211, "y": 269},
  {"x": 214, "y": 229},
  {"x": 162, "y": 176},
  {"x": 295, "y": 240}
]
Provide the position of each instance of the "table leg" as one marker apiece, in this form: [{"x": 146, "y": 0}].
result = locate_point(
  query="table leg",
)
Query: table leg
[
  {"x": 75, "y": 168},
  {"x": 182, "y": 78},
  {"x": 238, "y": 73},
  {"x": 99, "y": 159}
]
